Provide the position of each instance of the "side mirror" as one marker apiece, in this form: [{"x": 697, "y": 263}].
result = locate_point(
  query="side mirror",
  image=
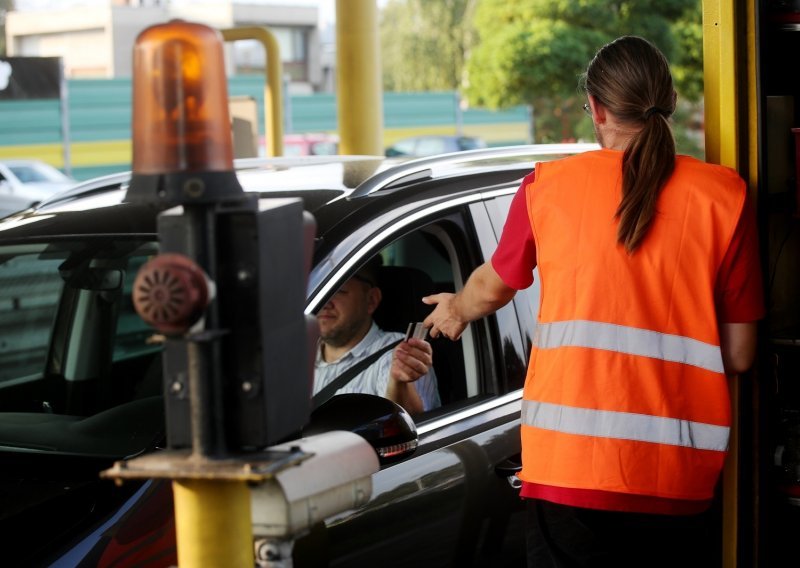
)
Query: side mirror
[{"x": 386, "y": 425}]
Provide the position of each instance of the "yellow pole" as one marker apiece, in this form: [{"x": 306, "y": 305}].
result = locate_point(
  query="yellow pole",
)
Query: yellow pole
[
  {"x": 213, "y": 524},
  {"x": 721, "y": 86},
  {"x": 273, "y": 87},
  {"x": 719, "y": 68},
  {"x": 359, "y": 83},
  {"x": 731, "y": 127}
]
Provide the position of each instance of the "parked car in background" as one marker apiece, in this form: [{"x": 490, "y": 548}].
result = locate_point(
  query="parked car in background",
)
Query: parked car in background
[
  {"x": 81, "y": 372},
  {"x": 25, "y": 182},
  {"x": 310, "y": 144},
  {"x": 305, "y": 144},
  {"x": 433, "y": 144}
]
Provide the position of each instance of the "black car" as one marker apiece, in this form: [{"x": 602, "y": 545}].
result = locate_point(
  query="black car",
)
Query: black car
[{"x": 81, "y": 372}]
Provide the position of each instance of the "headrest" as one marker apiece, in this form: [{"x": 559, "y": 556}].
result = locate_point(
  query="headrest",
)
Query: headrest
[{"x": 402, "y": 289}]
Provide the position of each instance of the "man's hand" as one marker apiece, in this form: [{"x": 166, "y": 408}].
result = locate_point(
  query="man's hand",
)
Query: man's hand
[
  {"x": 411, "y": 360},
  {"x": 483, "y": 294},
  {"x": 443, "y": 319}
]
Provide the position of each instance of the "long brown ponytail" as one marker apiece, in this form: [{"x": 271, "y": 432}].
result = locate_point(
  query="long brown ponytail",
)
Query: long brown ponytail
[{"x": 631, "y": 78}]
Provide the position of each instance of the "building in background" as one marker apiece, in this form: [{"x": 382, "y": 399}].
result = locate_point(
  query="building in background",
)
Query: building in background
[{"x": 96, "y": 41}]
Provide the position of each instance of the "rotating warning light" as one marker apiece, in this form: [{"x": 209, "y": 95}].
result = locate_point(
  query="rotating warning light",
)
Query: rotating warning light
[
  {"x": 180, "y": 100},
  {"x": 182, "y": 139}
]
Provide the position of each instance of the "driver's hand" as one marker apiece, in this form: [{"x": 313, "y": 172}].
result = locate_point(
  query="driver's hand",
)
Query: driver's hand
[{"x": 411, "y": 359}]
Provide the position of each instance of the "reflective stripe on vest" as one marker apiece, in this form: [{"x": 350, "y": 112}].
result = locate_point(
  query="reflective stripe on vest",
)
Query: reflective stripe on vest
[
  {"x": 624, "y": 426},
  {"x": 630, "y": 340}
]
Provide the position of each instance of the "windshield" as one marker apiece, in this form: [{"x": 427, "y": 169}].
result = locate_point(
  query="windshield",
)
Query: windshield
[
  {"x": 80, "y": 371},
  {"x": 34, "y": 173}
]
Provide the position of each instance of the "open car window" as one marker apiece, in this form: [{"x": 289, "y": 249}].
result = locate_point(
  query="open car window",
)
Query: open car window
[
  {"x": 421, "y": 263},
  {"x": 429, "y": 258}
]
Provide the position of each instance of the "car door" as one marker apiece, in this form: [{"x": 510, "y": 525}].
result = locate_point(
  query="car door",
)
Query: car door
[{"x": 451, "y": 502}]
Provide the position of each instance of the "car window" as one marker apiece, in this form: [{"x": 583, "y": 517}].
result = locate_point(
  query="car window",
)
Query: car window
[
  {"x": 470, "y": 143},
  {"x": 72, "y": 346},
  {"x": 324, "y": 148},
  {"x": 133, "y": 337},
  {"x": 444, "y": 252},
  {"x": 29, "y": 290},
  {"x": 32, "y": 173},
  {"x": 294, "y": 149},
  {"x": 489, "y": 217},
  {"x": 405, "y": 146},
  {"x": 432, "y": 251},
  {"x": 527, "y": 300},
  {"x": 431, "y": 146}
]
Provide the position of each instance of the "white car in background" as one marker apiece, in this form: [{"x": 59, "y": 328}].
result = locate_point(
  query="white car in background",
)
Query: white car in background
[{"x": 25, "y": 182}]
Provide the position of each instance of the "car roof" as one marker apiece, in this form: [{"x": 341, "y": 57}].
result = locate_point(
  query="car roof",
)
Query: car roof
[{"x": 338, "y": 190}]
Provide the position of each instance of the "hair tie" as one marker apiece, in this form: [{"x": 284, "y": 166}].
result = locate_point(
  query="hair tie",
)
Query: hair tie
[{"x": 655, "y": 110}]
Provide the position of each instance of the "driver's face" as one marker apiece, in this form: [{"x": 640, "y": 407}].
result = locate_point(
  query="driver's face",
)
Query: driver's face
[{"x": 347, "y": 315}]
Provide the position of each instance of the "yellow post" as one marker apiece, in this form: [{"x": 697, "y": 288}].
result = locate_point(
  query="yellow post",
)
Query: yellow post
[
  {"x": 731, "y": 129},
  {"x": 359, "y": 87},
  {"x": 719, "y": 73},
  {"x": 721, "y": 118},
  {"x": 213, "y": 524},
  {"x": 273, "y": 87}
]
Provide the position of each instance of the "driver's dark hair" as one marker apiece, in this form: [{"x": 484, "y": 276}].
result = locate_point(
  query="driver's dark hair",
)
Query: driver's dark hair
[
  {"x": 631, "y": 78},
  {"x": 370, "y": 271}
]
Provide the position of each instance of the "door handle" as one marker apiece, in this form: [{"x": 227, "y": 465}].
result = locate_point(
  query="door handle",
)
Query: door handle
[{"x": 509, "y": 468}]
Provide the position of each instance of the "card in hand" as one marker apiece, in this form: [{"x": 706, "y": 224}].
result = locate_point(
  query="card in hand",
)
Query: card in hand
[{"x": 416, "y": 330}]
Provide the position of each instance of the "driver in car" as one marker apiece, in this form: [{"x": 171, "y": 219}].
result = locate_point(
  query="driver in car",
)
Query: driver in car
[{"x": 348, "y": 334}]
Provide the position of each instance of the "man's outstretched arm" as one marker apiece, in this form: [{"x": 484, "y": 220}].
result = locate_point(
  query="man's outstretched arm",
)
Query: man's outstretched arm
[{"x": 483, "y": 294}]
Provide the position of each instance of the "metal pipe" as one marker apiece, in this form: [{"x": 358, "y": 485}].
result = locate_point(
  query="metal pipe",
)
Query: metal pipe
[{"x": 273, "y": 97}]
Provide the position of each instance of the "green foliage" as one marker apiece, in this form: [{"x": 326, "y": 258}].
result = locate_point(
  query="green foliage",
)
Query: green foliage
[
  {"x": 424, "y": 44},
  {"x": 503, "y": 53},
  {"x": 5, "y": 7},
  {"x": 687, "y": 67},
  {"x": 534, "y": 51}
]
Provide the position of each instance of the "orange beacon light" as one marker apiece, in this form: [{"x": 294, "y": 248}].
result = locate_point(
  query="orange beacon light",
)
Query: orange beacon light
[
  {"x": 182, "y": 141},
  {"x": 228, "y": 290}
]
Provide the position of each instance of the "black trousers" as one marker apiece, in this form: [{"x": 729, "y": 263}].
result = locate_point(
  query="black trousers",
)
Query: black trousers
[{"x": 560, "y": 536}]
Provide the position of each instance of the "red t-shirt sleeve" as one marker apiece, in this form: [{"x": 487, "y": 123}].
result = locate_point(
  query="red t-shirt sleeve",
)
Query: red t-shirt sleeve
[
  {"x": 739, "y": 290},
  {"x": 515, "y": 256}
]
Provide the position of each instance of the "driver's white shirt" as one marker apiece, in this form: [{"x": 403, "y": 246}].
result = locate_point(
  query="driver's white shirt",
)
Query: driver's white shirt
[{"x": 375, "y": 378}]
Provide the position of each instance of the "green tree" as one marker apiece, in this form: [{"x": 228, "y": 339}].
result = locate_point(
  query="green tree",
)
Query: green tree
[
  {"x": 687, "y": 65},
  {"x": 5, "y": 7},
  {"x": 424, "y": 43},
  {"x": 533, "y": 51}
]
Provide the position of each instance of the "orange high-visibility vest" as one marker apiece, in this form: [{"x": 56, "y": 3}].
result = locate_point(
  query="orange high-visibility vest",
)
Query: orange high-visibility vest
[{"x": 625, "y": 390}]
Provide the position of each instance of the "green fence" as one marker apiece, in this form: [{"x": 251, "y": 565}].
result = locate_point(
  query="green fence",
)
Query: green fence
[{"x": 99, "y": 119}]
